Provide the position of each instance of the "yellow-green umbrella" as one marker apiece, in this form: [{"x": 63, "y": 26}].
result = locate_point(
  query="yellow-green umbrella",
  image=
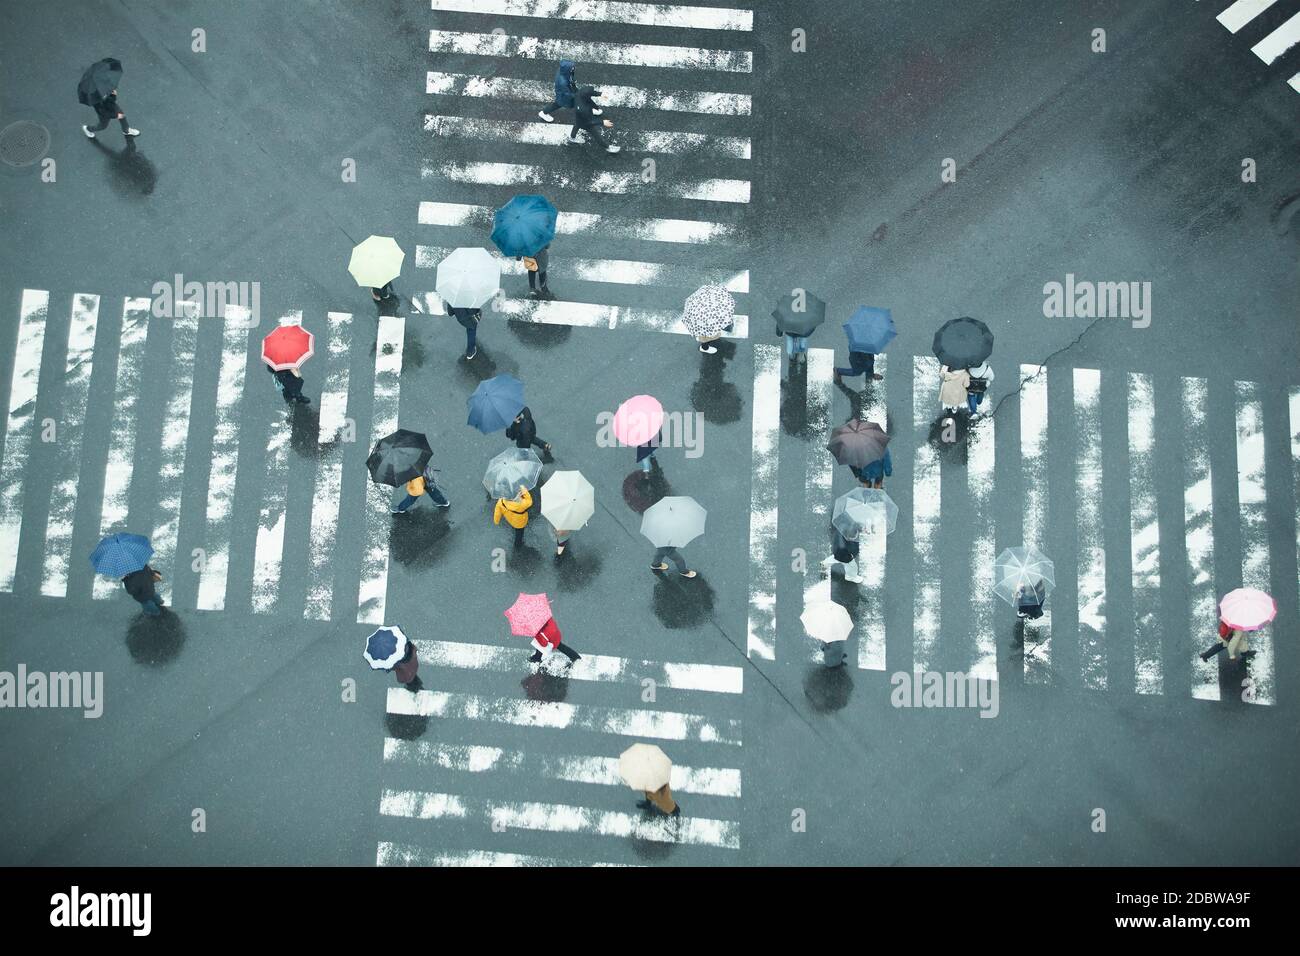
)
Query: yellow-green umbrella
[{"x": 376, "y": 261}]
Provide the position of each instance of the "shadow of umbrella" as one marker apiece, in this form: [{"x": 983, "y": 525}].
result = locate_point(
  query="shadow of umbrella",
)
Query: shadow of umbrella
[
  {"x": 538, "y": 334},
  {"x": 544, "y": 687},
  {"x": 828, "y": 688},
  {"x": 155, "y": 641},
  {"x": 304, "y": 432},
  {"x": 421, "y": 537},
  {"x": 652, "y": 850},
  {"x": 478, "y": 369},
  {"x": 641, "y": 491},
  {"x": 681, "y": 602},
  {"x": 413, "y": 352},
  {"x": 130, "y": 171},
  {"x": 954, "y": 425},
  {"x": 796, "y": 413},
  {"x": 717, "y": 400},
  {"x": 406, "y": 726},
  {"x": 575, "y": 570}
]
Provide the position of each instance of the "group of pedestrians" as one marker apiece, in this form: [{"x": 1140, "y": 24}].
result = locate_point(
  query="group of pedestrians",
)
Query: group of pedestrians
[{"x": 965, "y": 388}]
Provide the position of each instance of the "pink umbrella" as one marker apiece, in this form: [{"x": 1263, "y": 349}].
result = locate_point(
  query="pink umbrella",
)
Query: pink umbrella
[
  {"x": 528, "y": 614},
  {"x": 1247, "y": 609},
  {"x": 638, "y": 420}
]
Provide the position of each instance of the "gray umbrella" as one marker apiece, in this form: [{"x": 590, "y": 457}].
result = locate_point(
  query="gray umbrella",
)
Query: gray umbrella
[
  {"x": 673, "y": 522},
  {"x": 510, "y": 469}
]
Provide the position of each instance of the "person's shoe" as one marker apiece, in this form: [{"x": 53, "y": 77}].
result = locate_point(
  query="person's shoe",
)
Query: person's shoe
[
  {"x": 596, "y": 112},
  {"x": 643, "y": 804},
  {"x": 877, "y": 378},
  {"x": 303, "y": 400},
  {"x": 536, "y": 658},
  {"x": 575, "y": 140},
  {"x": 132, "y": 132},
  {"x": 677, "y": 811},
  {"x": 559, "y": 550},
  {"x": 398, "y": 511},
  {"x": 546, "y": 117},
  {"x": 708, "y": 349},
  {"x": 856, "y": 579},
  {"x": 89, "y": 134},
  {"x": 611, "y": 148},
  {"x": 470, "y": 355},
  {"x": 659, "y": 567},
  {"x": 442, "y": 504},
  {"x": 688, "y": 574}
]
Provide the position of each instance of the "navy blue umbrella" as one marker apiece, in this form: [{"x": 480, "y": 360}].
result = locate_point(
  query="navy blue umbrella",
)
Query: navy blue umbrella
[
  {"x": 495, "y": 403},
  {"x": 121, "y": 554},
  {"x": 385, "y": 648},
  {"x": 963, "y": 343},
  {"x": 870, "y": 330},
  {"x": 524, "y": 225}
]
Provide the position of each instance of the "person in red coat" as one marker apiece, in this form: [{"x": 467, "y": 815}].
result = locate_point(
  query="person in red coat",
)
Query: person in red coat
[
  {"x": 548, "y": 642},
  {"x": 406, "y": 669}
]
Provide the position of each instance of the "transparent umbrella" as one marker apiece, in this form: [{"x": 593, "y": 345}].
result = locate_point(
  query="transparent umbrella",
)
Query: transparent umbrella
[
  {"x": 1023, "y": 575},
  {"x": 510, "y": 469},
  {"x": 867, "y": 510}
]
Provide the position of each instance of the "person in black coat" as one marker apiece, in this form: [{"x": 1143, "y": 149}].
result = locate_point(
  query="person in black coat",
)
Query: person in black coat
[
  {"x": 523, "y": 431},
  {"x": 139, "y": 584},
  {"x": 537, "y": 287},
  {"x": 108, "y": 110},
  {"x": 588, "y": 120},
  {"x": 290, "y": 382},
  {"x": 469, "y": 318}
]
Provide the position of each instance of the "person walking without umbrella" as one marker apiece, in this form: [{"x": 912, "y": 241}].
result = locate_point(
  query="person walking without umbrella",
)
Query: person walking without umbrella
[
  {"x": 869, "y": 330},
  {"x": 671, "y": 523},
  {"x": 980, "y": 378},
  {"x": 587, "y": 123},
  {"x": 646, "y": 768},
  {"x": 126, "y": 557},
  {"x": 566, "y": 89},
  {"x": 523, "y": 431},
  {"x": 389, "y": 649},
  {"x": 530, "y": 616},
  {"x": 515, "y": 511},
  {"x": 98, "y": 90}
]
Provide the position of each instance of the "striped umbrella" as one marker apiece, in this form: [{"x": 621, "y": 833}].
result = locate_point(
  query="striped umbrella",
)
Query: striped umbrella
[
  {"x": 385, "y": 648},
  {"x": 708, "y": 310},
  {"x": 288, "y": 347}
]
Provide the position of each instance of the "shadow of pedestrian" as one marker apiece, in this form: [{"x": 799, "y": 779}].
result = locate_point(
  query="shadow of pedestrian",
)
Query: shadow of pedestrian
[
  {"x": 524, "y": 559},
  {"x": 948, "y": 436},
  {"x": 155, "y": 641},
  {"x": 652, "y": 850},
  {"x": 413, "y": 352},
  {"x": 304, "y": 431},
  {"x": 681, "y": 602},
  {"x": 575, "y": 570},
  {"x": 478, "y": 369},
  {"x": 421, "y": 537},
  {"x": 796, "y": 414},
  {"x": 406, "y": 726},
  {"x": 131, "y": 174},
  {"x": 828, "y": 688},
  {"x": 717, "y": 400},
  {"x": 539, "y": 335},
  {"x": 640, "y": 490},
  {"x": 390, "y": 307},
  {"x": 545, "y": 688}
]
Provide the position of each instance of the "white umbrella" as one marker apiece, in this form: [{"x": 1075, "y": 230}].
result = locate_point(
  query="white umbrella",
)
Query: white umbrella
[
  {"x": 468, "y": 278},
  {"x": 644, "y": 767},
  {"x": 568, "y": 500},
  {"x": 826, "y": 621},
  {"x": 673, "y": 522},
  {"x": 376, "y": 261},
  {"x": 708, "y": 310}
]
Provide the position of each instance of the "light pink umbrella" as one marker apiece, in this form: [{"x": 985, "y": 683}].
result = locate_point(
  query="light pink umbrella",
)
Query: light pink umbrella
[
  {"x": 638, "y": 420},
  {"x": 528, "y": 614},
  {"x": 1247, "y": 609}
]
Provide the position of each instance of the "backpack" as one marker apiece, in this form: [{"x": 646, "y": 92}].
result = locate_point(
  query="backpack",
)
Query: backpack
[{"x": 977, "y": 385}]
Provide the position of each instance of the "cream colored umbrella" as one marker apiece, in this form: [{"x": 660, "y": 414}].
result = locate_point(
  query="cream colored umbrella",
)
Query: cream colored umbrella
[
  {"x": 376, "y": 261},
  {"x": 644, "y": 767},
  {"x": 826, "y": 621}
]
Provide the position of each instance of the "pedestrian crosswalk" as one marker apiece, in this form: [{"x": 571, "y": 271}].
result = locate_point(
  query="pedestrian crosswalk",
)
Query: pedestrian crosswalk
[
  {"x": 1261, "y": 21},
  {"x": 508, "y": 778},
  {"x": 637, "y": 232}
]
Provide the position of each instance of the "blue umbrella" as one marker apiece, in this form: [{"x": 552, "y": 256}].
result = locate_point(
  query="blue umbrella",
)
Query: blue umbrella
[
  {"x": 495, "y": 403},
  {"x": 121, "y": 554},
  {"x": 385, "y": 648},
  {"x": 870, "y": 330},
  {"x": 524, "y": 225}
]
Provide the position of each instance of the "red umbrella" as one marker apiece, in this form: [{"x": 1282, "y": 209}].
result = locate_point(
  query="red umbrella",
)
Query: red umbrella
[
  {"x": 528, "y": 614},
  {"x": 287, "y": 347}
]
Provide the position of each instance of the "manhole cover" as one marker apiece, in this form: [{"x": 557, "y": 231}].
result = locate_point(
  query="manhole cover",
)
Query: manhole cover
[{"x": 23, "y": 143}]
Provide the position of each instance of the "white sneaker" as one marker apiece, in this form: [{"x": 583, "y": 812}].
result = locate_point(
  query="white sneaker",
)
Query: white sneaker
[
  {"x": 611, "y": 148},
  {"x": 576, "y": 140},
  {"x": 708, "y": 349},
  {"x": 546, "y": 116},
  {"x": 133, "y": 132},
  {"x": 855, "y": 579},
  {"x": 89, "y": 134},
  {"x": 596, "y": 112}
]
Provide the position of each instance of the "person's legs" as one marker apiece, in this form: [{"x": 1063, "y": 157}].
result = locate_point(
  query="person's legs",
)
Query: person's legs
[
  {"x": 972, "y": 400},
  {"x": 645, "y": 463},
  {"x": 677, "y": 559},
  {"x": 405, "y": 505},
  {"x": 789, "y": 345},
  {"x": 471, "y": 337},
  {"x": 103, "y": 124},
  {"x": 435, "y": 494},
  {"x": 532, "y": 280},
  {"x": 151, "y": 607},
  {"x": 519, "y": 537},
  {"x": 846, "y": 372},
  {"x": 568, "y": 652},
  {"x": 541, "y": 282}
]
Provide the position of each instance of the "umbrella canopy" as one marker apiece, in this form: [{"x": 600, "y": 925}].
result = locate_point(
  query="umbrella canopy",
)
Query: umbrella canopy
[
  {"x": 867, "y": 510},
  {"x": 1247, "y": 609},
  {"x": 510, "y": 469},
  {"x": 803, "y": 321},
  {"x": 644, "y": 767},
  {"x": 826, "y": 621},
  {"x": 870, "y": 330},
  {"x": 399, "y": 457},
  {"x": 385, "y": 648},
  {"x": 673, "y": 522},
  {"x": 99, "y": 81},
  {"x": 376, "y": 261},
  {"x": 121, "y": 554},
  {"x": 1023, "y": 575},
  {"x": 524, "y": 225},
  {"x": 288, "y": 347},
  {"x": 963, "y": 343},
  {"x": 528, "y": 614},
  {"x": 638, "y": 420},
  {"x": 468, "y": 278},
  {"x": 495, "y": 403},
  {"x": 708, "y": 310},
  {"x": 568, "y": 500},
  {"x": 858, "y": 443}
]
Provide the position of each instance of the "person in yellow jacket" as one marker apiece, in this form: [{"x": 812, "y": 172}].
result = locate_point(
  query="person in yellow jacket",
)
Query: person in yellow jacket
[
  {"x": 415, "y": 488},
  {"x": 515, "y": 511}
]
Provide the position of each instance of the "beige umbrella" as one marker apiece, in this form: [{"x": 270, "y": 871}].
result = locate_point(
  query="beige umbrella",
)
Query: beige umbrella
[
  {"x": 644, "y": 767},
  {"x": 376, "y": 261}
]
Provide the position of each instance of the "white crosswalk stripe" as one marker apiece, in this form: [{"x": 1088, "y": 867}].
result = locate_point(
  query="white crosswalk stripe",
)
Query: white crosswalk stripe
[
  {"x": 618, "y": 184},
  {"x": 556, "y": 134},
  {"x": 614, "y": 54},
  {"x": 609, "y": 11},
  {"x": 1275, "y": 43},
  {"x": 686, "y": 276},
  {"x": 538, "y": 92},
  {"x": 19, "y": 427},
  {"x": 591, "y": 225}
]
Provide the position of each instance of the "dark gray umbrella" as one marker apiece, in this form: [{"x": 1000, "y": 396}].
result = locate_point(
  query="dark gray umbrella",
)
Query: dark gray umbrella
[
  {"x": 963, "y": 343},
  {"x": 399, "y": 457},
  {"x": 799, "y": 322},
  {"x": 858, "y": 443},
  {"x": 99, "y": 81}
]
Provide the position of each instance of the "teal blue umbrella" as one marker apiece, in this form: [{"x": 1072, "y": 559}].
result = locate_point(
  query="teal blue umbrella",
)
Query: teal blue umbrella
[
  {"x": 524, "y": 225},
  {"x": 870, "y": 330},
  {"x": 121, "y": 554},
  {"x": 495, "y": 403}
]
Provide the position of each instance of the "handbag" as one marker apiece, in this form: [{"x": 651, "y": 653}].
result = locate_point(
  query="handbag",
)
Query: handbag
[
  {"x": 530, "y": 263},
  {"x": 978, "y": 385}
]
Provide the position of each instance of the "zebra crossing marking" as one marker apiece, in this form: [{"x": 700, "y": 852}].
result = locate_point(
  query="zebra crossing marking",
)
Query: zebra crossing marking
[
  {"x": 1033, "y": 468},
  {"x": 980, "y": 444},
  {"x": 268, "y": 553},
  {"x": 1252, "y": 506},
  {"x": 24, "y": 384},
  {"x": 1242, "y": 12},
  {"x": 614, "y": 54},
  {"x": 175, "y": 440},
  {"x": 537, "y": 133},
  {"x": 1144, "y": 536},
  {"x": 1277, "y": 43},
  {"x": 540, "y": 92},
  {"x": 760, "y": 639},
  {"x": 926, "y": 489},
  {"x": 401, "y": 854},
  {"x": 592, "y": 225},
  {"x": 608, "y": 11},
  {"x": 489, "y": 173},
  {"x": 1091, "y": 585},
  {"x": 372, "y": 594},
  {"x": 1198, "y": 529}
]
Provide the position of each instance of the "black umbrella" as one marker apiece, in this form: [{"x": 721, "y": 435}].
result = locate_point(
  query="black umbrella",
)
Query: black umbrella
[
  {"x": 399, "y": 457},
  {"x": 799, "y": 323},
  {"x": 963, "y": 343},
  {"x": 99, "y": 82}
]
